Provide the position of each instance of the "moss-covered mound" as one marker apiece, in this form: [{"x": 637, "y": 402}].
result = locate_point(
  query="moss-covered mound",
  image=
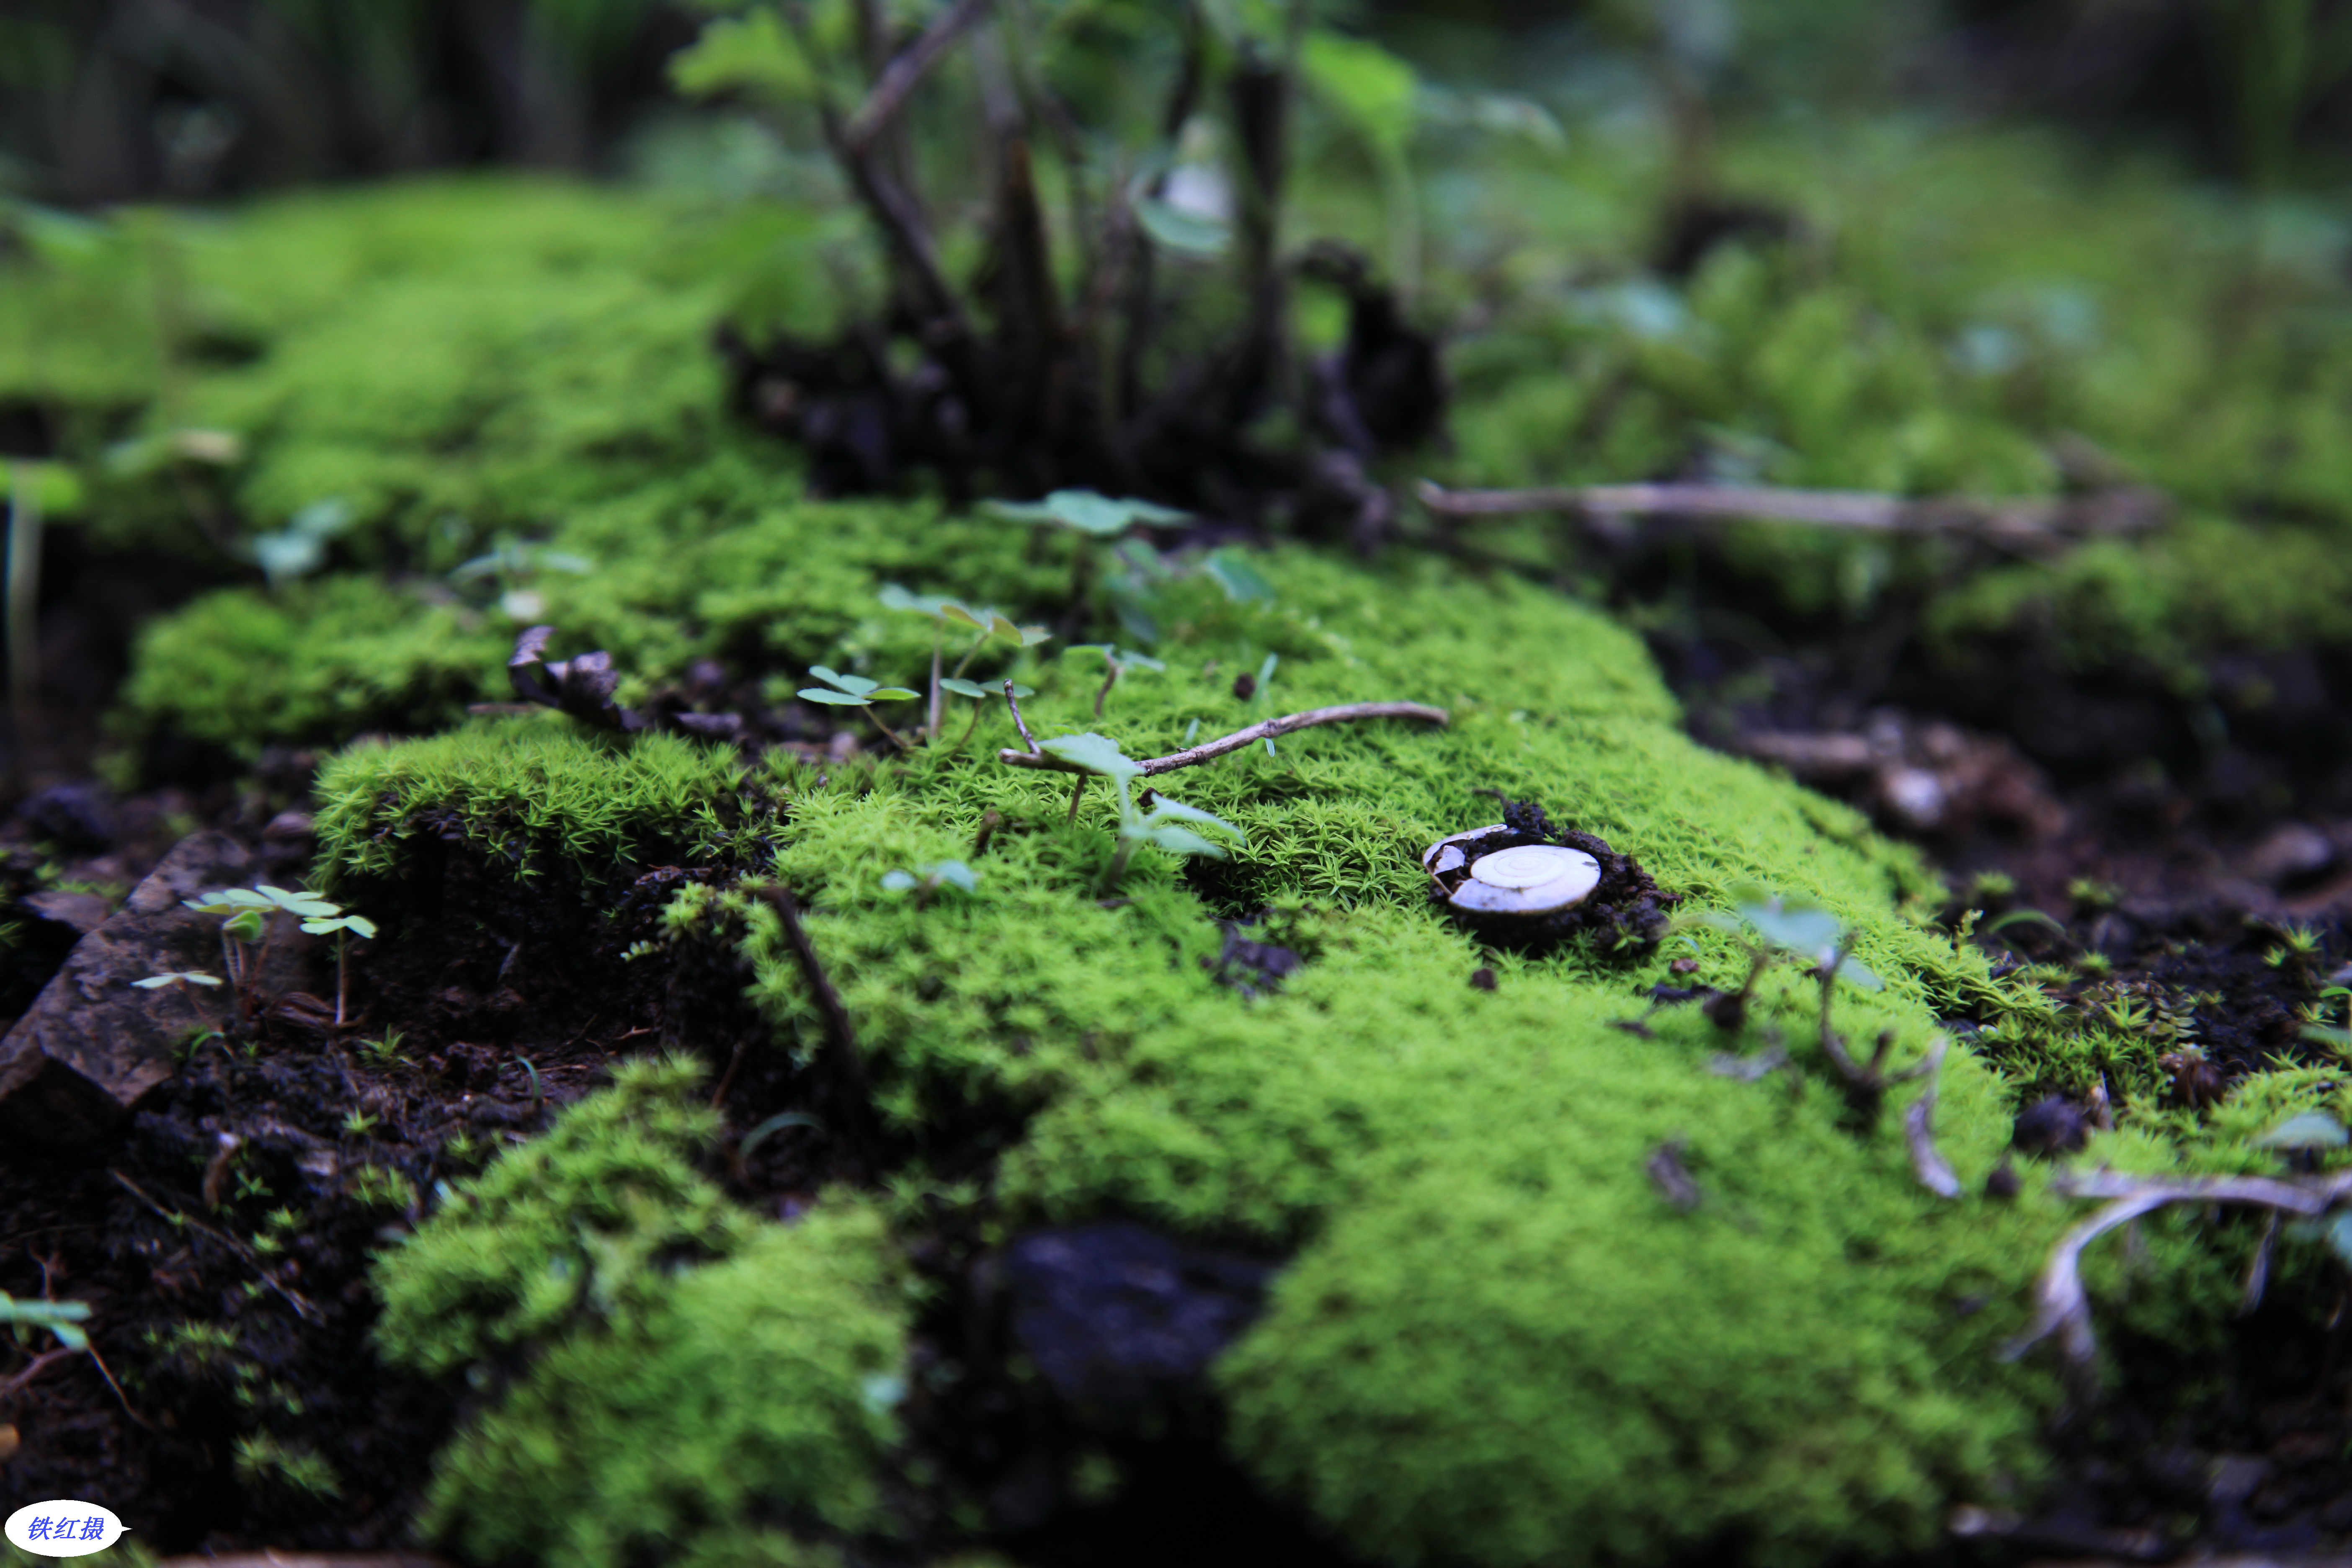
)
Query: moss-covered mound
[{"x": 1498, "y": 1339}]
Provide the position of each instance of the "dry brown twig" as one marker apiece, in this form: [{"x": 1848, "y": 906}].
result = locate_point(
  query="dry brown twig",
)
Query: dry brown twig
[
  {"x": 1207, "y": 751},
  {"x": 2062, "y": 1307},
  {"x": 2025, "y": 523}
]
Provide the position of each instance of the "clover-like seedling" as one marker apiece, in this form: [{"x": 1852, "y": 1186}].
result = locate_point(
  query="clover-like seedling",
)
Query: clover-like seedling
[
  {"x": 1119, "y": 660},
  {"x": 61, "y": 1318},
  {"x": 1090, "y": 513},
  {"x": 924, "y": 882},
  {"x": 182, "y": 978},
  {"x": 300, "y": 547},
  {"x": 1162, "y": 827},
  {"x": 1093, "y": 518},
  {"x": 244, "y": 918},
  {"x": 991, "y": 626},
  {"x": 510, "y": 563},
  {"x": 855, "y": 692},
  {"x": 342, "y": 927},
  {"x": 979, "y": 694}
]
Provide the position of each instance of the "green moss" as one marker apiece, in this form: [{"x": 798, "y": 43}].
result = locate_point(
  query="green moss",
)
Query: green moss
[
  {"x": 766, "y": 1380},
  {"x": 585, "y": 1219},
  {"x": 522, "y": 789},
  {"x": 1462, "y": 1176},
  {"x": 317, "y": 664}
]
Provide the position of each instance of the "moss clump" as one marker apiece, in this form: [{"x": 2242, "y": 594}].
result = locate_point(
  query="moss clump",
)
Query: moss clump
[
  {"x": 316, "y": 664},
  {"x": 583, "y": 1219},
  {"x": 765, "y": 1382},
  {"x": 524, "y": 789},
  {"x": 1462, "y": 1176}
]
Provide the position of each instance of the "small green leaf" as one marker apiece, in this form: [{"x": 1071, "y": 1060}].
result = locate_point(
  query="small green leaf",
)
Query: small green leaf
[
  {"x": 359, "y": 925},
  {"x": 898, "y": 881},
  {"x": 955, "y": 874},
  {"x": 962, "y": 688},
  {"x": 963, "y": 615},
  {"x": 1182, "y": 231},
  {"x": 1175, "y": 839},
  {"x": 1165, "y": 809},
  {"x": 1800, "y": 929},
  {"x": 2328, "y": 1034},
  {"x": 838, "y": 699},
  {"x": 895, "y": 597},
  {"x": 300, "y": 903},
  {"x": 890, "y": 694},
  {"x": 776, "y": 1123},
  {"x": 246, "y": 925},
  {"x": 188, "y": 976},
  {"x": 2312, "y": 1130},
  {"x": 1089, "y": 511},
  {"x": 2014, "y": 916},
  {"x": 1237, "y": 576},
  {"x": 856, "y": 685},
  {"x": 2339, "y": 1238},
  {"x": 228, "y": 899},
  {"x": 73, "y": 1339},
  {"x": 1098, "y": 755},
  {"x": 1853, "y": 971}
]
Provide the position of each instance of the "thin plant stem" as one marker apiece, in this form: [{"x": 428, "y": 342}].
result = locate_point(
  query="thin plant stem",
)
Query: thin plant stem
[
  {"x": 1264, "y": 729},
  {"x": 342, "y": 974},
  {"x": 1109, "y": 681},
  {"x": 965, "y": 739},
  {"x": 938, "y": 632},
  {"x": 1077, "y": 791},
  {"x": 24, "y": 597},
  {"x": 897, "y": 739},
  {"x": 969, "y": 654},
  {"x": 1021, "y": 724}
]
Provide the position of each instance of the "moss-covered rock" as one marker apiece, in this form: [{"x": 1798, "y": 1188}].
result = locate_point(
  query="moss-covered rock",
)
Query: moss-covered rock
[{"x": 1498, "y": 1341}]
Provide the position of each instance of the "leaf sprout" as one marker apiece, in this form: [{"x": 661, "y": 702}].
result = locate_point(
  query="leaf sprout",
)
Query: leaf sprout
[
  {"x": 182, "y": 978},
  {"x": 1120, "y": 661},
  {"x": 924, "y": 882},
  {"x": 1162, "y": 827},
  {"x": 855, "y": 692}
]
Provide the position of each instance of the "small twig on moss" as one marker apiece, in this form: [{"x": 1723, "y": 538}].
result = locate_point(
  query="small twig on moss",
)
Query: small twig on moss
[
  {"x": 1934, "y": 1170},
  {"x": 840, "y": 1032},
  {"x": 1207, "y": 751},
  {"x": 2061, "y": 1305},
  {"x": 301, "y": 1304},
  {"x": 904, "y": 73},
  {"x": 1019, "y": 722},
  {"x": 2025, "y": 520}
]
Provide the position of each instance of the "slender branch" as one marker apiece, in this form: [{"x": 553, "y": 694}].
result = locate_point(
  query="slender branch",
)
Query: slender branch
[
  {"x": 301, "y": 1304},
  {"x": 1934, "y": 1170},
  {"x": 1019, "y": 722},
  {"x": 1207, "y": 751},
  {"x": 841, "y": 1032},
  {"x": 2127, "y": 510},
  {"x": 2061, "y": 1305},
  {"x": 904, "y": 73}
]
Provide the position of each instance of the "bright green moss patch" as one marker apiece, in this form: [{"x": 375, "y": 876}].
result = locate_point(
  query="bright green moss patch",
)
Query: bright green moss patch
[
  {"x": 585, "y": 1221},
  {"x": 521, "y": 789},
  {"x": 314, "y": 665},
  {"x": 765, "y": 1382}
]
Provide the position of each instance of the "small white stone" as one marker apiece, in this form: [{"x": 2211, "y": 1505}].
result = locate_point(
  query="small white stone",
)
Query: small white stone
[
  {"x": 1446, "y": 854},
  {"x": 1530, "y": 879}
]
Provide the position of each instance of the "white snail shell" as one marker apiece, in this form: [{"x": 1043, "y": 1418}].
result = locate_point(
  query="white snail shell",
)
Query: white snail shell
[{"x": 1525, "y": 879}]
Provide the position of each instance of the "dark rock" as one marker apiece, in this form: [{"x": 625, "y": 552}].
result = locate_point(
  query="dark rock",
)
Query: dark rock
[
  {"x": 92, "y": 1042},
  {"x": 76, "y": 817},
  {"x": 2052, "y": 1126},
  {"x": 1253, "y": 968},
  {"x": 1119, "y": 1317},
  {"x": 84, "y": 912}
]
